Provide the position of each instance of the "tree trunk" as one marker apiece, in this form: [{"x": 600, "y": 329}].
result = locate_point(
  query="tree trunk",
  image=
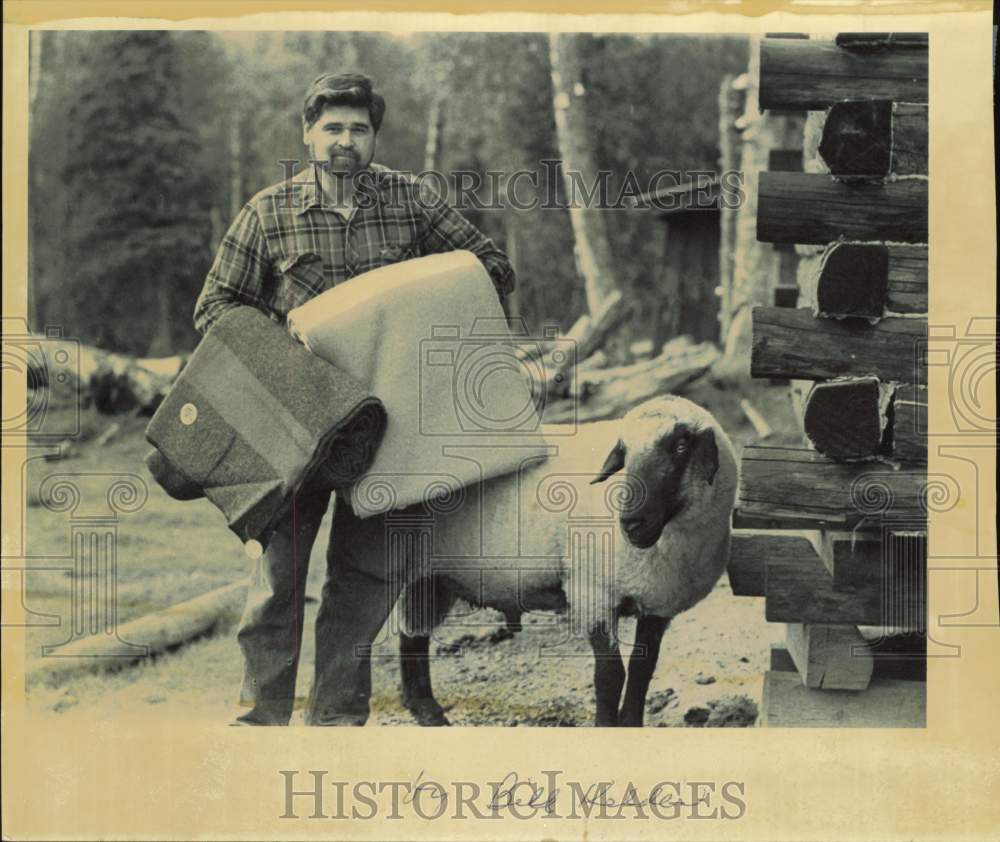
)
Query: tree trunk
[
  {"x": 730, "y": 108},
  {"x": 514, "y": 307},
  {"x": 756, "y": 265},
  {"x": 435, "y": 129},
  {"x": 235, "y": 161},
  {"x": 36, "y": 39},
  {"x": 592, "y": 248},
  {"x": 162, "y": 343}
]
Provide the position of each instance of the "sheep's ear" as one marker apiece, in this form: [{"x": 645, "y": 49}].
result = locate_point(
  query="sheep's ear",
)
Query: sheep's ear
[
  {"x": 614, "y": 463},
  {"x": 705, "y": 455}
]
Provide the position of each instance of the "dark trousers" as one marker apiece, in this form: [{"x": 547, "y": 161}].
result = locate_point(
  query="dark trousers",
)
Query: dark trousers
[{"x": 361, "y": 586}]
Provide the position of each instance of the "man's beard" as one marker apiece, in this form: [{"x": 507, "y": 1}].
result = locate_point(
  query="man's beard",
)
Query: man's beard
[{"x": 343, "y": 164}]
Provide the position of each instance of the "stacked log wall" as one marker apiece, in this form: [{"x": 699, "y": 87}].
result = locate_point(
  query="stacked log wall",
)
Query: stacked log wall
[{"x": 850, "y": 580}]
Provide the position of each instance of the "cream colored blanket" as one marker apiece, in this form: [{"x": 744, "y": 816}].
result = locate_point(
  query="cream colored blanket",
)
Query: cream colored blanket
[{"x": 429, "y": 338}]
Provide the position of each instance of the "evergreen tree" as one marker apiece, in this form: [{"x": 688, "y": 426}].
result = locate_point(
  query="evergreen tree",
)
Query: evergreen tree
[{"x": 138, "y": 224}]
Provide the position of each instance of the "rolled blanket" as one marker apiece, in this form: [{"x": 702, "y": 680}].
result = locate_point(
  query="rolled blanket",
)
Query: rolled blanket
[
  {"x": 430, "y": 339},
  {"x": 171, "y": 479},
  {"x": 253, "y": 418}
]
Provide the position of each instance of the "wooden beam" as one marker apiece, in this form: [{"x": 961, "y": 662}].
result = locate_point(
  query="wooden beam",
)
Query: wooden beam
[
  {"x": 871, "y": 139},
  {"x": 909, "y": 423},
  {"x": 909, "y": 139},
  {"x": 815, "y": 208},
  {"x": 896, "y": 555},
  {"x": 844, "y": 419},
  {"x": 761, "y": 521},
  {"x": 806, "y": 490},
  {"x": 907, "y": 279},
  {"x": 781, "y": 658},
  {"x": 831, "y": 657},
  {"x": 800, "y": 590},
  {"x": 794, "y": 343},
  {"x": 812, "y": 75},
  {"x": 896, "y": 567},
  {"x": 887, "y": 703},
  {"x": 900, "y": 656},
  {"x": 881, "y": 40},
  {"x": 831, "y": 546},
  {"x": 748, "y": 559},
  {"x": 889, "y": 593}
]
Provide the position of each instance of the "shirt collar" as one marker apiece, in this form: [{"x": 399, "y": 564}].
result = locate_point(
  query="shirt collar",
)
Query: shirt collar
[{"x": 310, "y": 194}]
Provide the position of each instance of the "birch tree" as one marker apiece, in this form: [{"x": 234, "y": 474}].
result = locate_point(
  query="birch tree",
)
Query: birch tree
[{"x": 592, "y": 249}]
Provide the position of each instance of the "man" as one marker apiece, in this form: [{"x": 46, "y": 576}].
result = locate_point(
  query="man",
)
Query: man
[{"x": 339, "y": 217}]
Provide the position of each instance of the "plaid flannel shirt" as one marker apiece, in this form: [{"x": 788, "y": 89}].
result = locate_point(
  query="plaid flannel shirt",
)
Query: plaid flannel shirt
[{"x": 285, "y": 247}]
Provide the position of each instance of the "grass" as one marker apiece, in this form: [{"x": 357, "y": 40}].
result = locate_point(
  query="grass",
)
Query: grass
[{"x": 167, "y": 550}]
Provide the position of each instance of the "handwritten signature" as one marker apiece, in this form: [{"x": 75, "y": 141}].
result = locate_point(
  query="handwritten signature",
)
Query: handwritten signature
[{"x": 595, "y": 794}]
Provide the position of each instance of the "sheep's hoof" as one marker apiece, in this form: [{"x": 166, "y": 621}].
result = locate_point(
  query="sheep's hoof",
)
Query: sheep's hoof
[{"x": 427, "y": 712}]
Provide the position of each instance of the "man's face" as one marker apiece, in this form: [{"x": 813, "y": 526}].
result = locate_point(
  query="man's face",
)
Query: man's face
[{"x": 342, "y": 138}]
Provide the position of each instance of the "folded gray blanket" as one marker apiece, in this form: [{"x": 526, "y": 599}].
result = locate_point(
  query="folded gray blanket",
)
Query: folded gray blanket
[{"x": 255, "y": 417}]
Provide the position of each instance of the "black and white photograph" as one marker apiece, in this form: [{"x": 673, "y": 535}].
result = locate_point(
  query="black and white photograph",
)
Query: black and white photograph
[
  {"x": 284, "y": 283},
  {"x": 477, "y": 379}
]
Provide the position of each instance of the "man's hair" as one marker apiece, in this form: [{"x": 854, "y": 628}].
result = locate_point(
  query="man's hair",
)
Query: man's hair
[{"x": 354, "y": 89}]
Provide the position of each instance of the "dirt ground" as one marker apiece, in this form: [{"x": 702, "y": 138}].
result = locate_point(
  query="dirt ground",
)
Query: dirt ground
[{"x": 709, "y": 671}]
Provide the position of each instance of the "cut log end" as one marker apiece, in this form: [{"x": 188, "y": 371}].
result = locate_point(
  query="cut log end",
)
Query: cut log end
[
  {"x": 844, "y": 420},
  {"x": 853, "y": 281},
  {"x": 857, "y": 139}
]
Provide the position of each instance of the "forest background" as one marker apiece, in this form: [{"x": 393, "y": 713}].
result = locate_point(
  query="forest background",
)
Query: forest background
[{"x": 145, "y": 144}]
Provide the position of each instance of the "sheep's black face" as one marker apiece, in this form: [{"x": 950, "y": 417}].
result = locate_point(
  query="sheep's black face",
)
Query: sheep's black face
[{"x": 658, "y": 471}]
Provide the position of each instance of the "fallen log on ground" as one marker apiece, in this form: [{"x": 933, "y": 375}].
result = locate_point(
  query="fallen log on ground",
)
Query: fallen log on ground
[
  {"x": 611, "y": 396},
  {"x": 586, "y": 337},
  {"x": 673, "y": 352},
  {"x": 119, "y": 383},
  {"x": 155, "y": 633},
  {"x": 111, "y": 382}
]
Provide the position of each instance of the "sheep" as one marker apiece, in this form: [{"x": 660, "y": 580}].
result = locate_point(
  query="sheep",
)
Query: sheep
[{"x": 673, "y": 498}]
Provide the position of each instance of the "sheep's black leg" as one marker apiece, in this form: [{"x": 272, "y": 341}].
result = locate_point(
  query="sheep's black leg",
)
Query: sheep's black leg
[
  {"x": 641, "y": 663},
  {"x": 609, "y": 674},
  {"x": 415, "y": 668}
]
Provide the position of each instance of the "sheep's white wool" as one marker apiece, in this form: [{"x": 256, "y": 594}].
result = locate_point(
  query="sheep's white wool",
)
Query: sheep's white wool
[{"x": 519, "y": 538}]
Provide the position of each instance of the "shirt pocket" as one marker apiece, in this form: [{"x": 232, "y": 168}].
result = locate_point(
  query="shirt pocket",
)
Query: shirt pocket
[
  {"x": 300, "y": 277},
  {"x": 389, "y": 254}
]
